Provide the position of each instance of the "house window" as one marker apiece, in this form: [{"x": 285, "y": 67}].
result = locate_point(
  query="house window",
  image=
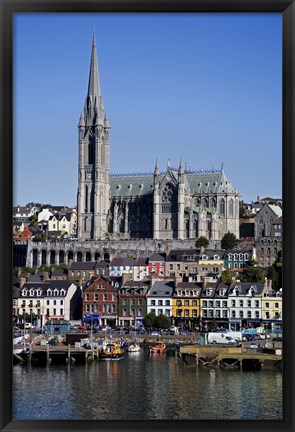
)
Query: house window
[
  {"x": 124, "y": 312},
  {"x": 204, "y": 303},
  {"x": 241, "y": 303},
  {"x": 217, "y": 303},
  {"x": 249, "y": 303},
  {"x": 61, "y": 312},
  {"x": 276, "y": 305},
  {"x": 233, "y": 303},
  {"x": 248, "y": 314},
  {"x": 105, "y": 297},
  {"x": 87, "y": 297},
  {"x": 186, "y": 302},
  {"x": 233, "y": 313},
  {"x": 256, "y": 314},
  {"x": 54, "y": 302},
  {"x": 224, "y": 314},
  {"x": 256, "y": 303},
  {"x": 195, "y": 303},
  {"x": 95, "y": 297},
  {"x": 160, "y": 311},
  {"x": 194, "y": 311},
  {"x": 153, "y": 302},
  {"x": 178, "y": 303},
  {"x": 54, "y": 311},
  {"x": 186, "y": 313},
  {"x": 211, "y": 303},
  {"x": 217, "y": 313},
  {"x": 160, "y": 302},
  {"x": 167, "y": 302},
  {"x": 210, "y": 313},
  {"x": 47, "y": 302},
  {"x": 224, "y": 304},
  {"x": 241, "y": 314}
]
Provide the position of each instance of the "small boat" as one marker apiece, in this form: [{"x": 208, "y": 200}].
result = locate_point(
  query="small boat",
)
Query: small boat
[
  {"x": 134, "y": 347},
  {"x": 112, "y": 351},
  {"x": 158, "y": 348}
]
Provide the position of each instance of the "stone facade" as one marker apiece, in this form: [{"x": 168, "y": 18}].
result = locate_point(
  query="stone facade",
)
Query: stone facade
[{"x": 172, "y": 204}]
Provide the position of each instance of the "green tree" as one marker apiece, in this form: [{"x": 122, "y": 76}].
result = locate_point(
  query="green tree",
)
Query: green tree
[
  {"x": 273, "y": 275},
  {"x": 201, "y": 242},
  {"x": 229, "y": 241},
  {"x": 162, "y": 321},
  {"x": 226, "y": 277},
  {"x": 44, "y": 268},
  {"x": 253, "y": 274},
  {"x": 242, "y": 211},
  {"x": 149, "y": 320}
]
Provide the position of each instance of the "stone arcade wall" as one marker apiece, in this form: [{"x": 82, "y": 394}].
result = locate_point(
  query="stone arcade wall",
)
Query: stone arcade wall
[{"x": 50, "y": 253}]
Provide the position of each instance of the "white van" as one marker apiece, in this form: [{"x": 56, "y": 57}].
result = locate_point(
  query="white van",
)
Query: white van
[
  {"x": 220, "y": 338},
  {"x": 173, "y": 330}
]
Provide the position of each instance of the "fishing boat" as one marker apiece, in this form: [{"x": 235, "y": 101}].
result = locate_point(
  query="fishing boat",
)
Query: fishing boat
[
  {"x": 134, "y": 347},
  {"x": 112, "y": 351},
  {"x": 158, "y": 348}
]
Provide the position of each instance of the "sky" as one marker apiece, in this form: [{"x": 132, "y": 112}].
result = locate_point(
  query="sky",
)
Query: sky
[{"x": 204, "y": 88}]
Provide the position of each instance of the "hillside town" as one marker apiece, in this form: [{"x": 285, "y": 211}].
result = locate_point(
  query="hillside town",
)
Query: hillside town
[{"x": 235, "y": 285}]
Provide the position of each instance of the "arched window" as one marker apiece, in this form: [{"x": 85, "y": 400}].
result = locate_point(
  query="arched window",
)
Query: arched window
[
  {"x": 261, "y": 220},
  {"x": 231, "y": 207},
  {"x": 222, "y": 207}
]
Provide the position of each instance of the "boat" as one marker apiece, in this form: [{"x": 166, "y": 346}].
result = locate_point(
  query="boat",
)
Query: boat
[
  {"x": 134, "y": 347},
  {"x": 158, "y": 348},
  {"x": 112, "y": 351}
]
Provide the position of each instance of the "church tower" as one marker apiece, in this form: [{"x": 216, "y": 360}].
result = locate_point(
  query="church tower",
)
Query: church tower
[{"x": 93, "y": 165}]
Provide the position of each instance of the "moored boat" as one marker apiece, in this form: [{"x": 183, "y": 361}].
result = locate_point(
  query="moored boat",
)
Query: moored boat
[
  {"x": 112, "y": 351},
  {"x": 134, "y": 347},
  {"x": 158, "y": 348}
]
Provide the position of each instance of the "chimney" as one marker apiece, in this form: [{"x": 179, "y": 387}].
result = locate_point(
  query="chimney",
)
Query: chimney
[
  {"x": 126, "y": 277},
  {"x": 205, "y": 281},
  {"x": 22, "y": 281}
]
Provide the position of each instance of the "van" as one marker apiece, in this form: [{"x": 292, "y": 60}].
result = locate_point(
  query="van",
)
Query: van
[
  {"x": 220, "y": 338},
  {"x": 173, "y": 330}
]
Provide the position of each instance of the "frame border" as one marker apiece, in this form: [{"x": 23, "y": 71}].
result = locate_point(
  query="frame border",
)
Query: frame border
[{"x": 7, "y": 9}]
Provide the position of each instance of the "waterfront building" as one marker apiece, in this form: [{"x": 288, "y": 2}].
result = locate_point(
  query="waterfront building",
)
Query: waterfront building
[
  {"x": 186, "y": 304},
  {"x": 214, "y": 306},
  {"x": 132, "y": 302},
  {"x": 100, "y": 298},
  {"x": 176, "y": 203},
  {"x": 244, "y": 303},
  {"x": 159, "y": 297},
  {"x": 39, "y": 301},
  {"x": 272, "y": 311}
]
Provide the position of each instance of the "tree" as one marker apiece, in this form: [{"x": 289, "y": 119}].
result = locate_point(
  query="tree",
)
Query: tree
[
  {"x": 149, "y": 320},
  {"x": 273, "y": 275},
  {"x": 226, "y": 277},
  {"x": 242, "y": 211},
  {"x": 201, "y": 242},
  {"x": 44, "y": 268},
  {"x": 228, "y": 241},
  {"x": 162, "y": 321},
  {"x": 253, "y": 274}
]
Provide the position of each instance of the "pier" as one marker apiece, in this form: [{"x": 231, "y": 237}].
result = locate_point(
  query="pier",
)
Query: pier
[
  {"x": 231, "y": 357},
  {"x": 41, "y": 355}
]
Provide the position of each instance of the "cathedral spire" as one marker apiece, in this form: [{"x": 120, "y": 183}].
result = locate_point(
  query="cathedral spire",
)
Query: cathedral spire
[
  {"x": 93, "y": 84},
  {"x": 156, "y": 171}
]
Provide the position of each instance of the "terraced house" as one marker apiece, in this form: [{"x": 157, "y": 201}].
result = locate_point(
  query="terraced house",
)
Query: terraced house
[
  {"x": 132, "y": 302},
  {"x": 186, "y": 304}
]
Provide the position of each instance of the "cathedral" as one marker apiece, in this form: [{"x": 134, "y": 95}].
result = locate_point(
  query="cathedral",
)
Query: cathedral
[{"x": 172, "y": 204}]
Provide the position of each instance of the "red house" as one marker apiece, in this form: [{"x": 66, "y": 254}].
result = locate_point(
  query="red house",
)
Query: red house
[
  {"x": 157, "y": 264},
  {"x": 100, "y": 298}
]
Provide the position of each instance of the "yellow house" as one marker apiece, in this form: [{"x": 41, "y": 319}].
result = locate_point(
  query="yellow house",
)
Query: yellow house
[
  {"x": 186, "y": 304},
  {"x": 272, "y": 309}
]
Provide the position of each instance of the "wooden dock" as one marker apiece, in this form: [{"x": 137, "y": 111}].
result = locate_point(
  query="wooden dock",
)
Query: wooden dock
[
  {"x": 62, "y": 354},
  {"x": 230, "y": 357}
]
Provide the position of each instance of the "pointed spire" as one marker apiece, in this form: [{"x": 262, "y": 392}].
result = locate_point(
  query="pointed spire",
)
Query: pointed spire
[
  {"x": 81, "y": 121},
  {"x": 156, "y": 172},
  {"x": 106, "y": 122},
  {"x": 93, "y": 85},
  {"x": 180, "y": 170}
]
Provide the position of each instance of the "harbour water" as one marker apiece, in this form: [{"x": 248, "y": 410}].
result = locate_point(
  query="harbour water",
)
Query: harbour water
[{"x": 144, "y": 386}]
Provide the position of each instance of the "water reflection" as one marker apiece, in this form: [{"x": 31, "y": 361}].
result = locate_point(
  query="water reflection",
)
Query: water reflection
[{"x": 144, "y": 386}]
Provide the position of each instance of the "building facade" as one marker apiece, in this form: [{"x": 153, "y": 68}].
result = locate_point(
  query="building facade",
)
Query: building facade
[{"x": 172, "y": 204}]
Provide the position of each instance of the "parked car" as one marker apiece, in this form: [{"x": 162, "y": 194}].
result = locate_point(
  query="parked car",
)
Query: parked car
[
  {"x": 253, "y": 345},
  {"x": 155, "y": 332}
]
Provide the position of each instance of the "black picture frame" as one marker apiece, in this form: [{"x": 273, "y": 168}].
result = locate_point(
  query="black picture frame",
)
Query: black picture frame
[{"x": 8, "y": 8}]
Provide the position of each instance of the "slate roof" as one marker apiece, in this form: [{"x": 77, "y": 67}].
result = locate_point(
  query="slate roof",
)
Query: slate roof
[
  {"x": 245, "y": 286},
  {"x": 162, "y": 289},
  {"x": 141, "y": 262},
  {"x": 198, "y": 182},
  {"x": 117, "y": 262},
  {"x": 83, "y": 265},
  {"x": 157, "y": 257},
  {"x": 137, "y": 284},
  {"x": 276, "y": 209}
]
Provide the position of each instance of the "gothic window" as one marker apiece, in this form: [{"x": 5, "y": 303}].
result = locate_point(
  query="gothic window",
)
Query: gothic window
[
  {"x": 167, "y": 194},
  {"x": 261, "y": 220},
  {"x": 231, "y": 207},
  {"x": 205, "y": 202},
  {"x": 197, "y": 202},
  {"x": 222, "y": 207},
  {"x": 86, "y": 196},
  {"x": 168, "y": 199},
  {"x": 213, "y": 202}
]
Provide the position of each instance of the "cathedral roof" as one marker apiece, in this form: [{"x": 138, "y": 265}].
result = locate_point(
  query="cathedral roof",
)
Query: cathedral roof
[{"x": 197, "y": 182}]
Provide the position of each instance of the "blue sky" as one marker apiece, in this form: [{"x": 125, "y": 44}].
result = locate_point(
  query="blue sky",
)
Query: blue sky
[{"x": 206, "y": 88}]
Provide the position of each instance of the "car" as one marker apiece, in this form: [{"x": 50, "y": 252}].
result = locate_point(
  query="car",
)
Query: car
[
  {"x": 29, "y": 326},
  {"x": 253, "y": 346},
  {"x": 155, "y": 332},
  {"x": 262, "y": 336}
]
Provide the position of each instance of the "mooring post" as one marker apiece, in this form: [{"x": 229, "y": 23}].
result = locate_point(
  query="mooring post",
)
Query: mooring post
[
  {"x": 47, "y": 353},
  {"x": 69, "y": 352}
]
